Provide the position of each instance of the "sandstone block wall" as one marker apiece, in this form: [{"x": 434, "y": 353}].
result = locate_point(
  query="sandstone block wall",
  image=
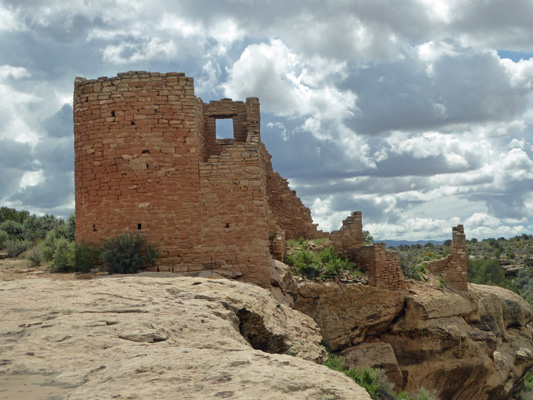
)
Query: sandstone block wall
[
  {"x": 279, "y": 246},
  {"x": 136, "y": 158},
  {"x": 453, "y": 268},
  {"x": 382, "y": 265},
  {"x": 147, "y": 160},
  {"x": 350, "y": 236},
  {"x": 290, "y": 213}
]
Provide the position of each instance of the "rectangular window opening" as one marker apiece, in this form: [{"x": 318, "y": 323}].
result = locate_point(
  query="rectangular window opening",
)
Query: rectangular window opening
[
  {"x": 224, "y": 128},
  {"x": 139, "y": 227}
]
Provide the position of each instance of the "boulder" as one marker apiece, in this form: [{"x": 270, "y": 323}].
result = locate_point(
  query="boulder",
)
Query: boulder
[{"x": 474, "y": 345}]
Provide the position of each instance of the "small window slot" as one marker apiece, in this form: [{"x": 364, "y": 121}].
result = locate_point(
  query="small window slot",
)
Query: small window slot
[{"x": 139, "y": 227}]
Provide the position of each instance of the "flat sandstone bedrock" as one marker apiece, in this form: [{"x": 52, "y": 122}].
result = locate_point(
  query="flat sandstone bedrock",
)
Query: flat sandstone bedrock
[{"x": 141, "y": 337}]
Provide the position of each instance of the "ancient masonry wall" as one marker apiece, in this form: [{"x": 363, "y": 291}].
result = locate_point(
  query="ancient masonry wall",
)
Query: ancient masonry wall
[
  {"x": 290, "y": 213},
  {"x": 147, "y": 160},
  {"x": 453, "y": 268},
  {"x": 136, "y": 158},
  {"x": 382, "y": 265},
  {"x": 350, "y": 237}
]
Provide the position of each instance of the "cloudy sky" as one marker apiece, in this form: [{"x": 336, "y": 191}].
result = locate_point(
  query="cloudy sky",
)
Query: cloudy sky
[{"x": 419, "y": 113}]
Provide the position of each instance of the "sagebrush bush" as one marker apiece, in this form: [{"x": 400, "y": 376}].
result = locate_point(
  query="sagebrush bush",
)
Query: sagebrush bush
[
  {"x": 15, "y": 248},
  {"x": 63, "y": 259},
  {"x": 128, "y": 254},
  {"x": 52, "y": 237},
  {"x": 35, "y": 228},
  {"x": 36, "y": 258},
  {"x": 87, "y": 257},
  {"x": 4, "y": 237}
]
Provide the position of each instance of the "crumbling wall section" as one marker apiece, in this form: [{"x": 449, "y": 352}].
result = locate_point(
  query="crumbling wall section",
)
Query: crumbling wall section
[
  {"x": 279, "y": 246},
  {"x": 453, "y": 268},
  {"x": 291, "y": 215},
  {"x": 349, "y": 237},
  {"x": 382, "y": 265}
]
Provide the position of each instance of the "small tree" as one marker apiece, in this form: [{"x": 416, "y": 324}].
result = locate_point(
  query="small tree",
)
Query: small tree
[
  {"x": 10, "y": 214},
  {"x": 367, "y": 238}
]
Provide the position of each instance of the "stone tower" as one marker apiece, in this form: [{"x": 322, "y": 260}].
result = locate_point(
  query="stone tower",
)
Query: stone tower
[{"x": 147, "y": 160}]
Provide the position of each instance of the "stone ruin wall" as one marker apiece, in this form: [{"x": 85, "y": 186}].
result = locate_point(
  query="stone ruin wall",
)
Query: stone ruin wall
[
  {"x": 147, "y": 160},
  {"x": 349, "y": 238},
  {"x": 382, "y": 265},
  {"x": 290, "y": 213},
  {"x": 136, "y": 158},
  {"x": 453, "y": 268}
]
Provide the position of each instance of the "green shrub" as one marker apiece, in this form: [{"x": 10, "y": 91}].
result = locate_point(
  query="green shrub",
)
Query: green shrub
[
  {"x": 87, "y": 257},
  {"x": 15, "y": 248},
  {"x": 63, "y": 259},
  {"x": 312, "y": 264},
  {"x": 127, "y": 254},
  {"x": 419, "y": 273},
  {"x": 318, "y": 242},
  {"x": 36, "y": 258},
  {"x": 4, "y": 237},
  {"x": 50, "y": 242},
  {"x": 13, "y": 229},
  {"x": 291, "y": 242},
  {"x": 488, "y": 272},
  {"x": 309, "y": 271},
  {"x": 71, "y": 225},
  {"x": 375, "y": 381},
  {"x": 367, "y": 238},
  {"x": 289, "y": 260},
  {"x": 35, "y": 228},
  {"x": 421, "y": 394},
  {"x": 10, "y": 214},
  {"x": 527, "y": 389}
]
